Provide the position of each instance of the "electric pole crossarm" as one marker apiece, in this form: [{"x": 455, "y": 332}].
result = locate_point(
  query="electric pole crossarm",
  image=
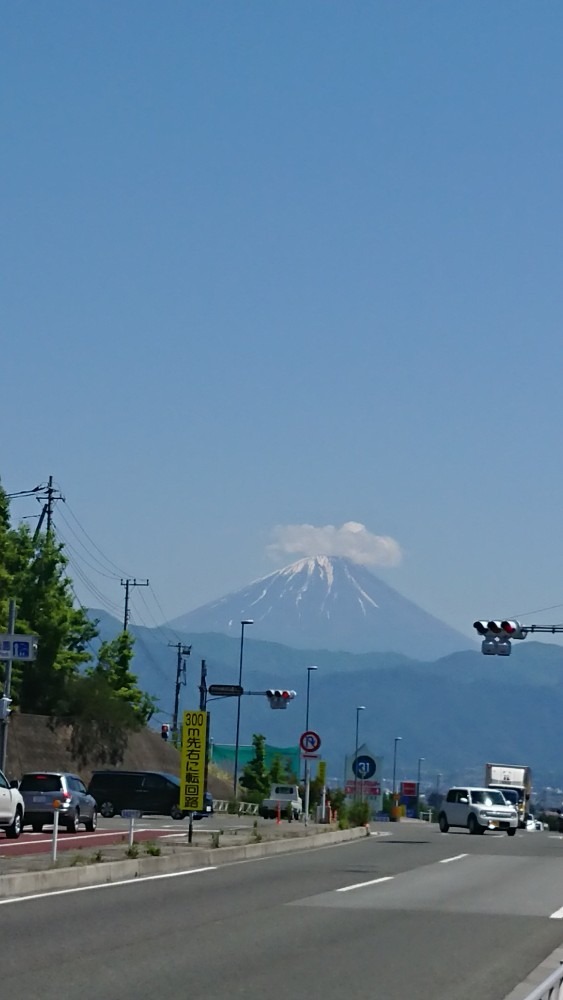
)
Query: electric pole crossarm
[{"x": 128, "y": 584}]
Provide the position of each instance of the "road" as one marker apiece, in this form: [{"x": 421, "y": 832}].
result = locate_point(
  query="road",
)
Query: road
[
  {"x": 411, "y": 914},
  {"x": 112, "y": 831}
]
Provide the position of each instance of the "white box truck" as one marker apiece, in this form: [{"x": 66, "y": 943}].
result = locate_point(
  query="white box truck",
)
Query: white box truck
[{"x": 515, "y": 782}]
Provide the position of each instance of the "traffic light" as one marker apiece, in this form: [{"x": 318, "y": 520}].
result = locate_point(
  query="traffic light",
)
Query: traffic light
[
  {"x": 279, "y": 699},
  {"x": 497, "y": 636},
  {"x": 164, "y": 731}
]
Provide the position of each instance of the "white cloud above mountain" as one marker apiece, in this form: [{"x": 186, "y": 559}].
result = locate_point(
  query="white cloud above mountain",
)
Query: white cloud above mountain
[{"x": 351, "y": 540}]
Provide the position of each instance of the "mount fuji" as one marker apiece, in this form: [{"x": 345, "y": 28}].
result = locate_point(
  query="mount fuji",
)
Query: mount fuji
[{"x": 328, "y": 603}]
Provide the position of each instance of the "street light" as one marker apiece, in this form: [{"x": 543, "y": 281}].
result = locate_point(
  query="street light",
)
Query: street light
[
  {"x": 245, "y": 621},
  {"x": 308, "y": 690},
  {"x": 360, "y": 708},
  {"x": 420, "y": 759},
  {"x": 394, "y": 807},
  {"x": 307, "y": 772}
]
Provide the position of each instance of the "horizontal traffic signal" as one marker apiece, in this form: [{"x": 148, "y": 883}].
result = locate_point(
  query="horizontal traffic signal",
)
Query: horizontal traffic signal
[
  {"x": 497, "y": 635},
  {"x": 279, "y": 698}
]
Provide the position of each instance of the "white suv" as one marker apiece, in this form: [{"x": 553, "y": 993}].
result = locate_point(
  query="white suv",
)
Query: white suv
[
  {"x": 12, "y": 808},
  {"x": 477, "y": 809}
]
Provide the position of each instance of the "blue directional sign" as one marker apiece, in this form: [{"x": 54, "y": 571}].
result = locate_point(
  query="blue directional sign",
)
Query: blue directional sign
[
  {"x": 363, "y": 767},
  {"x": 18, "y": 647}
]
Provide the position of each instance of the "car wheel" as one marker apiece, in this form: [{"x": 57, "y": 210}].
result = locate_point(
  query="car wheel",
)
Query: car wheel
[
  {"x": 72, "y": 823},
  {"x": 473, "y": 826},
  {"x": 13, "y": 831},
  {"x": 37, "y": 827},
  {"x": 176, "y": 812},
  {"x": 443, "y": 823},
  {"x": 92, "y": 823},
  {"x": 107, "y": 810},
  {"x": 511, "y": 831}
]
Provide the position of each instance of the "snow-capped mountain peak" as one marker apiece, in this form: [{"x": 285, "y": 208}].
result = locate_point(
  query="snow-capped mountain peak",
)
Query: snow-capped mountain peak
[{"x": 323, "y": 602}]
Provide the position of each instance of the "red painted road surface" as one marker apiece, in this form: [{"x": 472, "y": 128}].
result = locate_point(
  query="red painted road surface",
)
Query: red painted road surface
[{"x": 40, "y": 843}]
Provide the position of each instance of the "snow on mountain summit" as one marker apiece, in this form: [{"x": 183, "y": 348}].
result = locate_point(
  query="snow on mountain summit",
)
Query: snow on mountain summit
[{"x": 323, "y": 602}]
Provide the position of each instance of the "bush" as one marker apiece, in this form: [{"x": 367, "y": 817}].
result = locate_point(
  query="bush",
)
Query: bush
[
  {"x": 233, "y": 807},
  {"x": 359, "y": 814},
  {"x": 343, "y": 823}
]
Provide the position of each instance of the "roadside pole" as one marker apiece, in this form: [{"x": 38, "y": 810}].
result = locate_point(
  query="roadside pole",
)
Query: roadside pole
[
  {"x": 7, "y": 686},
  {"x": 56, "y": 807},
  {"x": 307, "y": 790}
]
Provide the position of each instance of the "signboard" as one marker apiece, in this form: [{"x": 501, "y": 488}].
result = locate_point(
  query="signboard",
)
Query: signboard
[
  {"x": 368, "y": 789},
  {"x": 309, "y": 741},
  {"x": 192, "y": 760},
  {"x": 18, "y": 647},
  {"x": 409, "y": 789},
  {"x": 225, "y": 690},
  {"x": 131, "y": 813},
  {"x": 321, "y": 772},
  {"x": 364, "y": 767}
]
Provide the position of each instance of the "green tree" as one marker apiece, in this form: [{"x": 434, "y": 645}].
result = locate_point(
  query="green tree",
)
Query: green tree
[
  {"x": 279, "y": 773},
  {"x": 114, "y": 665},
  {"x": 256, "y": 777},
  {"x": 98, "y": 722}
]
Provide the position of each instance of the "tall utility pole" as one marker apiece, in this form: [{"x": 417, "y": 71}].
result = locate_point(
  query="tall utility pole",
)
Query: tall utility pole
[
  {"x": 181, "y": 651},
  {"x": 7, "y": 686},
  {"x": 128, "y": 584},
  {"x": 49, "y": 496}
]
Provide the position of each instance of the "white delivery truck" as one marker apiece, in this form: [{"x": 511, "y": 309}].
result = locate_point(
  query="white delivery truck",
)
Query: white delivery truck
[
  {"x": 282, "y": 797},
  {"x": 515, "y": 782}
]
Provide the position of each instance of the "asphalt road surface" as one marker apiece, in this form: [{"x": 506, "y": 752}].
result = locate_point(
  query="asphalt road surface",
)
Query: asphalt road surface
[{"x": 411, "y": 914}]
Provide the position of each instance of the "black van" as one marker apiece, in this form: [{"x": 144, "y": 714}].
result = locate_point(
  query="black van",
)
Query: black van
[{"x": 148, "y": 791}]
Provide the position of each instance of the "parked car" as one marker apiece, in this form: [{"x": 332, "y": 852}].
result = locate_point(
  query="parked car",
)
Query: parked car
[
  {"x": 148, "y": 791},
  {"x": 478, "y": 809},
  {"x": 12, "y": 808},
  {"x": 40, "y": 789}
]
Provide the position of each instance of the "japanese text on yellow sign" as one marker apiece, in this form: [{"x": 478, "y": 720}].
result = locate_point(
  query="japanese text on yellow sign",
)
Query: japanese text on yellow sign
[{"x": 192, "y": 764}]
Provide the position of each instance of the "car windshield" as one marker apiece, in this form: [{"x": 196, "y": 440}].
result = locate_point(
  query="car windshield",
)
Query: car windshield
[
  {"x": 488, "y": 797},
  {"x": 40, "y": 783},
  {"x": 511, "y": 795}
]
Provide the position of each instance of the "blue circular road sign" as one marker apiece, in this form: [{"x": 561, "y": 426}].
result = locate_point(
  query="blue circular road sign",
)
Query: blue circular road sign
[{"x": 363, "y": 767}]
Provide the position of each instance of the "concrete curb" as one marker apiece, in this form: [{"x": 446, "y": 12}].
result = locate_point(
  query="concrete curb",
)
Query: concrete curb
[{"x": 27, "y": 883}]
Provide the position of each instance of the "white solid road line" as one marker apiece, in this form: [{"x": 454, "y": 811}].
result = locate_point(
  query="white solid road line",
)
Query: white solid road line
[
  {"x": 558, "y": 915},
  {"x": 138, "y": 880},
  {"x": 456, "y": 857},
  {"x": 360, "y": 885}
]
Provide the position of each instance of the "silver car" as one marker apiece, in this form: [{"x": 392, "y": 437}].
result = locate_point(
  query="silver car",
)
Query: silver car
[{"x": 41, "y": 789}]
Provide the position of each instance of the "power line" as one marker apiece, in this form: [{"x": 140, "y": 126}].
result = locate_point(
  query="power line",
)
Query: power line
[
  {"x": 92, "y": 542},
  {"x": 102, "y": 572},
  {"x": 69, "y": 545}
]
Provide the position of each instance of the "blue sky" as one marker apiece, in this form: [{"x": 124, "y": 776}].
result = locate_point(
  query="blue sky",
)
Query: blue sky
[{"x": 275, "y": 264}]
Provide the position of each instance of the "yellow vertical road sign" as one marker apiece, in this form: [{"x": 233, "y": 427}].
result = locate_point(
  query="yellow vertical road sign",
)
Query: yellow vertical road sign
[
  {"x": 192, "y": 760},
  {"x": 321, "y": 771}
]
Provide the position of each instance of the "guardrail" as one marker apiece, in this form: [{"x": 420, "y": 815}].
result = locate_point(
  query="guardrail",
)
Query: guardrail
[
  {"x": 244, "y": 808},
  {"x": 550, "y": 989}
]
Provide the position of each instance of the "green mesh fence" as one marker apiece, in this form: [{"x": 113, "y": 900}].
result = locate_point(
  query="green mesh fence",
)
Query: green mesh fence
[{"x": 223, "y": 756}]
